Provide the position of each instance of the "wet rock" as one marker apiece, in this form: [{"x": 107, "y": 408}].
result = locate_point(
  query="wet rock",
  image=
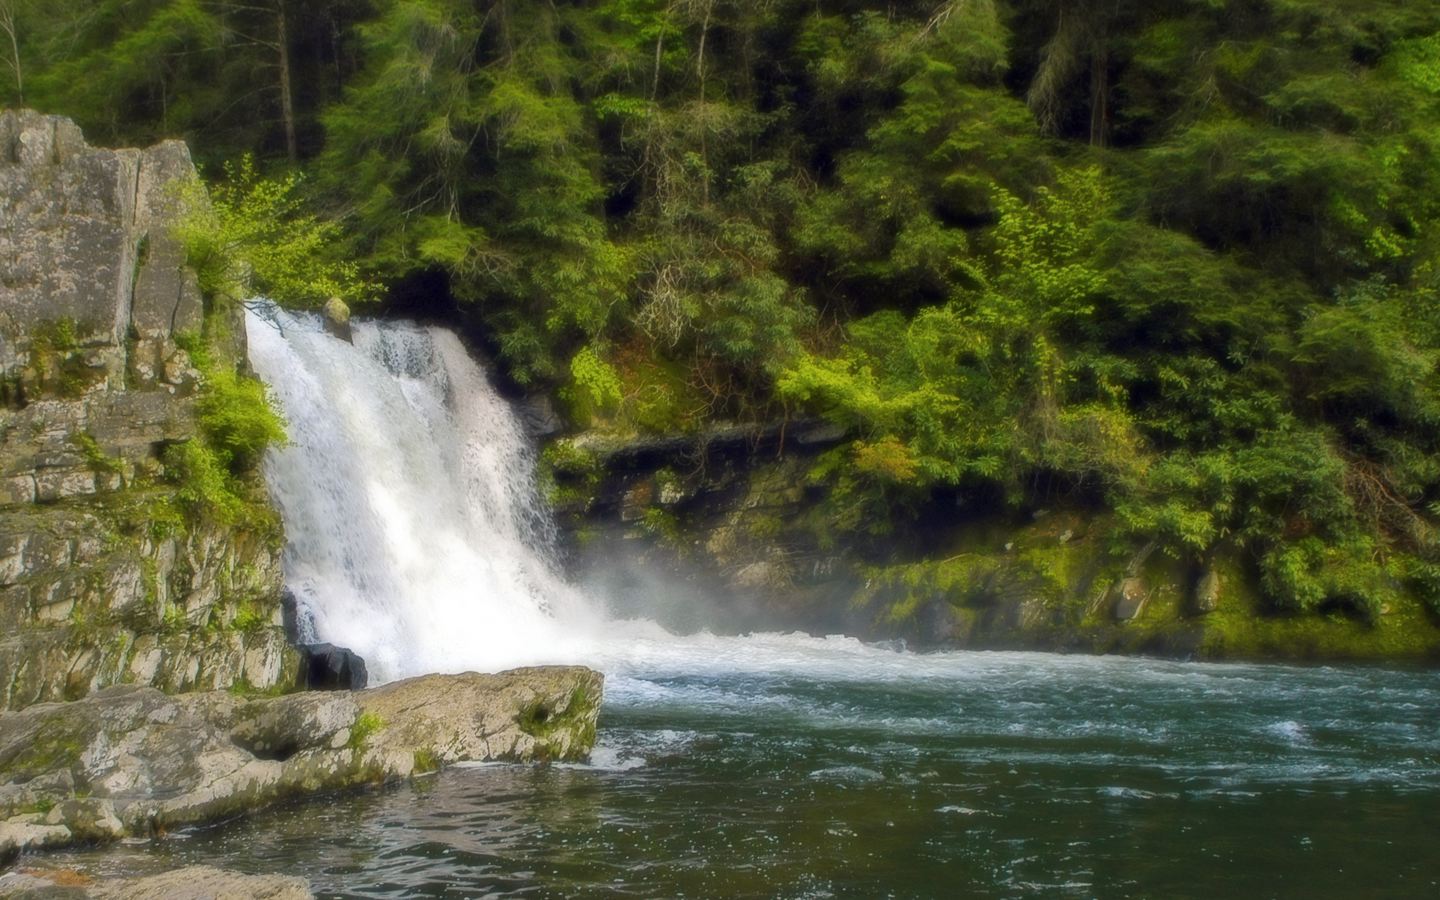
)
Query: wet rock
[
  {"x": 336, "y": 317},
  {"x": 537, "y": 413},
  {"x": 21, "y": 836},
  {"x": 1027, "y": 614},
  {"x": 88, "y": 819},
  {"x": 541, "y": 713},
  {"x": 205, "y": 883},
  {"x": 326, "y": 667}
]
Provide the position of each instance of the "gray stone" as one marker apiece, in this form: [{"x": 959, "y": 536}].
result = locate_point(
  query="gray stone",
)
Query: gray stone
[
  {"x": 538, "y": 416},
  {"x": 336, "y": 316},
  {"x": 18, "y": 836},
  {"x": 58, "y": 484},
  {"x": 88, "y": 819},
  {"x": 167, "y": 298}
]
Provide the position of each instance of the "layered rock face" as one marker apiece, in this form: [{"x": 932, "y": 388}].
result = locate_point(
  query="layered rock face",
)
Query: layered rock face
[
  {"x": 132, "y": 761},
  {"x": 94, "y": 294}
]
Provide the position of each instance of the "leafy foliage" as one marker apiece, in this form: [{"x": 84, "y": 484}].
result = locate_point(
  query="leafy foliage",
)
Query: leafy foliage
[
  {"x": 1177, "y": 258},
  {"x": 236, "y": 423},
  {"x": 252, "y": 235}
]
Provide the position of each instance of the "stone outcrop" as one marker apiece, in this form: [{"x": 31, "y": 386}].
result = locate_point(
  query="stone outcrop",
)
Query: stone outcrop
[
  {"x": 133, "y": 761},
  {"x": 97, "y": 587}
]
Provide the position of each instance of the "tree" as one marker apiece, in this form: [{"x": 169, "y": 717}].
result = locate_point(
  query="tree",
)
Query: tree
[{"x": 7, "y": 25}]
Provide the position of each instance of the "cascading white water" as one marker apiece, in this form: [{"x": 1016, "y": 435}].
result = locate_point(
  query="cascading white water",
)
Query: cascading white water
[{"x": 415, "y": 537}]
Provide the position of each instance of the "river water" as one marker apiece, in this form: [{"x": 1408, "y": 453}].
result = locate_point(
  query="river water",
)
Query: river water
[
  {"x": 776, "y": 765},
  {"x": 783, "y": 766}
]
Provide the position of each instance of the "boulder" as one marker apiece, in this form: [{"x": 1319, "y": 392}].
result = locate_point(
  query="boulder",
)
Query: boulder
[
  {"x": 132, "y": 761},
  {"x": 336, "y": 316},
  {"x": 326, "y": 667},
  {"x": 538, "y": 416},
  {"x": 546, "y": 713}
]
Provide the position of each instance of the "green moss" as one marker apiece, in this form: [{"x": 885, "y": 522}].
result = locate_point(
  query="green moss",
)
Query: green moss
[
  {"x": 366, "y": 724},
  {"x": 213, "y": 472},
  {"x": 58, "y": 336},
  {"x": 56, "y": 746},
  {"x": 546, "y": 724},
  {"x": 663, "y": 525},
  {"x": 250, "y": 618},
  {"x": 243, "y": 688},
  {"x": 173, "y": 621},
  {"x": 58, "y": 362},
  {"x": 98, "y": 460},
  {"x": 569, "y": 474},
  {"x": 1404, "y": 631}
]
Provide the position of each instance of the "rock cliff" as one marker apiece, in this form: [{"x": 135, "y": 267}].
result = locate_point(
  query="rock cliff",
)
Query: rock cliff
[{"x": 95, "y": 304}]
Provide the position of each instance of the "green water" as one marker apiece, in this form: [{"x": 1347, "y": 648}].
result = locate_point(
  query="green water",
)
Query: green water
[{"x": 795, "y": 767}]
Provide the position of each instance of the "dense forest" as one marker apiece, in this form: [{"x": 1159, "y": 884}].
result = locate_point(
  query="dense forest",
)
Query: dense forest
[{"x": 1175, "y": 259}]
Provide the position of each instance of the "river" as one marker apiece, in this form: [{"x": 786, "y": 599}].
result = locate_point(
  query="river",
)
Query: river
[{"x": 784, "y": 766}]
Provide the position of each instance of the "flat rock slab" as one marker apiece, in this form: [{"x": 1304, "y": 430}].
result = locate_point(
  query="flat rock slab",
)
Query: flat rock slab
[
  {"x": 132, "y": 761},
  {"x": 189, "y": 883}
]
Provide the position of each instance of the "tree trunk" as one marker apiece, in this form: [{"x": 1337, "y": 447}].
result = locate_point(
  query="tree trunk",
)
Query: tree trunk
[
  {"x": 7, "y": 22},
  {"x": 1099, "y": 96},
  {"x": 287, "y": 107}
]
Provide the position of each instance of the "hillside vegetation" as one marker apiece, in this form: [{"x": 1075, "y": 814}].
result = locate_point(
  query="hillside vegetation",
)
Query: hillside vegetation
[{"x": 1171, "y": 260}]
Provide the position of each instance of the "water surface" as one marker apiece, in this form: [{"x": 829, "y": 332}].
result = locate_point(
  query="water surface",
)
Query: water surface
[{"x": 799, "y": 767}]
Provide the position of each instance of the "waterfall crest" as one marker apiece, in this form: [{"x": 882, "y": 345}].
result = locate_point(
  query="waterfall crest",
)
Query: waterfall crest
[{"x": 414, "y": 533}]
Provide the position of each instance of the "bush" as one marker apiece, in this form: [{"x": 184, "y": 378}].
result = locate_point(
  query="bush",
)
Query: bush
[{"x": 252, "y": 235}]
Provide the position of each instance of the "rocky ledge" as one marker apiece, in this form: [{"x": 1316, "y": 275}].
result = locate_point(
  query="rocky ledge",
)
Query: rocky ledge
[{"x": 131, "y": 761}]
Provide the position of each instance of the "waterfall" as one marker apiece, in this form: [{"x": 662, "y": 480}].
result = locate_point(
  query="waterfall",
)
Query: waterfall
[{"x": 414, "y": 533}]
